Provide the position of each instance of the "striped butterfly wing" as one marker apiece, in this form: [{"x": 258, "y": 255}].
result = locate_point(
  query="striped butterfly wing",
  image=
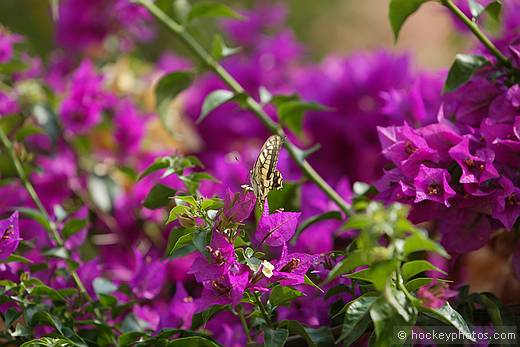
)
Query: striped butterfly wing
[{"x": 264, "y": 175}]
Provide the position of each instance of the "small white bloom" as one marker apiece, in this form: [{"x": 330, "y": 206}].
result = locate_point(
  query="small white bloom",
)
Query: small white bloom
[{"x": 267, "y": 269}]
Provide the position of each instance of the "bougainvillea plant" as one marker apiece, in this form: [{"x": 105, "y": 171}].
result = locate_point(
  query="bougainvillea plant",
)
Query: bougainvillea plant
[{"x": 125, "y": 219}]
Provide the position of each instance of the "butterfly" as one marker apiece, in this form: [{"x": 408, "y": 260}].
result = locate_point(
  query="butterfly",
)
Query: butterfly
[{"x": 264, "y": 175}]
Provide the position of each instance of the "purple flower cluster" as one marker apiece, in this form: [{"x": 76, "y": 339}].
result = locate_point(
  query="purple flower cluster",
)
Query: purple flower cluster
[
  {"x": 458, "y": 167},
  {"x": 461, "y": 171},
  {"x": 86, "y": 24},
  {"x": 224, "y": 278},
  {"x": 86, "y": 100}
]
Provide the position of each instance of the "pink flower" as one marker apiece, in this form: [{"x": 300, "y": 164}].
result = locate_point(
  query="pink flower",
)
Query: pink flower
[
  {"x": 435, "y": 294},
  {"x": 277, "y": 228},
  {"x": 432, "y": 184},
  {"x": 10, "y": 235}
]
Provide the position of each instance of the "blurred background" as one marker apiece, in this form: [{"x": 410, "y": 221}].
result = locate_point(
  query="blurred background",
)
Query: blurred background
[{"x": 325, "y": 27}]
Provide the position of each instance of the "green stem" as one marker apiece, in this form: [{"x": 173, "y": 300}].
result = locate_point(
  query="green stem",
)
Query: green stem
[
  {"x": 240, "y": 311},
  {"x": 55, "y": 235},
  {"x": 478, "y": 33},
  {"x": 250, "y": 103},
  {"x": 263, "y": 310}
]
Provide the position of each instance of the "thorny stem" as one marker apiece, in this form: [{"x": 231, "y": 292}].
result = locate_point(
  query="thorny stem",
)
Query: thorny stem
[
  {"x": 36, "y": 199},
  {"x": 478, "y": 33},
  {"x": 250, "y": 103}
]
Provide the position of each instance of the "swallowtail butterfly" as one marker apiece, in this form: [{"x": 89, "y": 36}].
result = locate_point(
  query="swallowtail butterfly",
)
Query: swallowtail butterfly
[{"x": 264, "y": 175}]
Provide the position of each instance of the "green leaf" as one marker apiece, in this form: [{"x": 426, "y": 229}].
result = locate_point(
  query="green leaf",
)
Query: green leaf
[
  {"x": 46, "y": 290},
  {"x": 158, "y": 164},
  {"x": 309, "y": 282},
  {"x": 214, "y": 100},
  {"x": 385, "y": 318},
  {"x": 168, "y": 87},
  {"x": 107, "y": 300},
  {"x": 313, "y": 337},
  {"x": 47, "y": 318},
  {"x": 493, "y": 10},
  {"x": 72, "y": 226},
  {"x": 35, "y": 215},
  {"x": 291, "y": 113},
  {"x": 297, "y": 328},
  {"x": 27, "y": 131},
  {"x": 10, "y": 316},
  {"x": 174, "y": 164},
  {"x": 211, "y": 9},
  {"x": 127, "y": 339},
  {"x": 212, "y": 204},
  {"x": 159, "y": 196},
  {"x": 378, "y": 274},
  {"x": 15, "y": 258},
  {"x": 219, "y": 49},
  {"x": 50, "y": 342},
  {"x": 399, "y": 11},
  {"x": 357, "y": 222},
  {"x": 322, "y": 337},
  {"x": 176, "y": 212},
  {"x": 192, "y": 181},
  {"x": 314, "y": 219},
  {"x": 103, "y": 286},
  {"x": 359, "y": 329},
  {"x": 174, "y": 236},
  {"x": 464, "y": 66},
  {"x": 419, "y": 241},
  {"x": 397, "y": 299},
  {"x": 355, "y": 312},
  {"x": 275, "y": 338},
  {"x": 417, "y": 283},
  {"x": 353, "y": 260},
  {"x": 448, "y": 315},
  {"x": 281, "y": 295},
  {"x": 182, "y": 242},
  {"x": 202, "y": 318},
  {"x": 412, "y": 268}
]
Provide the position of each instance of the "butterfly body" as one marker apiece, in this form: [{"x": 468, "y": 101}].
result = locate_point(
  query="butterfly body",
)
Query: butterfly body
[{"x": 264, "y": 175}]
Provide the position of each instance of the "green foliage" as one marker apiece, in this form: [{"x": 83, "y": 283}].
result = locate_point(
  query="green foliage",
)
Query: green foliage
[
  {"x": 399, "y": 11},
  {"x": 213, "y": 100},
  {"x": 169, "y": 87},
  {"x": 291, "y": 111},
  {"x": 172, "y": 164},
  {"x": 219, "y": 49},
  {"x": 388, "y": 279},
  {"x": 159, "y": 196},
  {"x": 464, "y": 66},
  {"x": 282, "y": 295},
  {"x": 275, "y": 338},
  {"x": 211, "y": 9}
]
